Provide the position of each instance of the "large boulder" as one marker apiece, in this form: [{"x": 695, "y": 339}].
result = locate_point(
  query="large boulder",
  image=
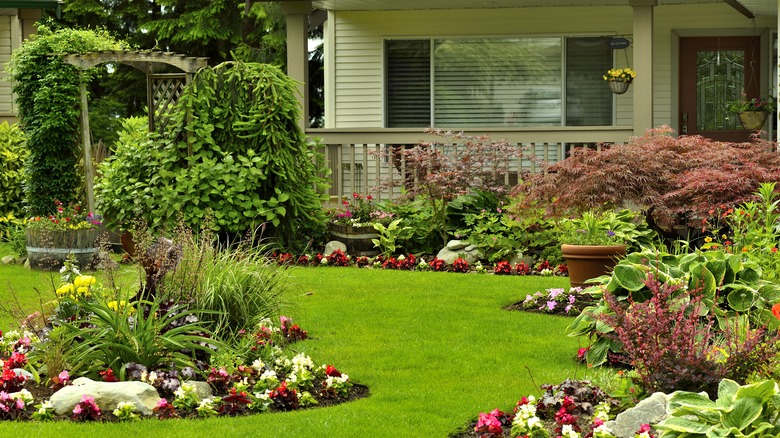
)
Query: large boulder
[
  {"x": 455, "y": 249},
  {"x": 648, "y": 411},
  {"x": 107, "y": 395}
]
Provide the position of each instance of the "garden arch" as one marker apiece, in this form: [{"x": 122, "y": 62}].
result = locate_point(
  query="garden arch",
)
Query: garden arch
[{"x": 162, "y": 90}]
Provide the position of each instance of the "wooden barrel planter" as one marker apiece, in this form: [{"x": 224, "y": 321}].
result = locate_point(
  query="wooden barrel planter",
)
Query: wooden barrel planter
[
  {"x": 48, "y": 249},
  {"x": 357, "y": 239},
  {"x": 590, "y": 261}
]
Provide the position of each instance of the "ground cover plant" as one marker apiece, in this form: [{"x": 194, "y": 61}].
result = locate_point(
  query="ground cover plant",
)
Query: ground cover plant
[{"x": 377, "y": 339}]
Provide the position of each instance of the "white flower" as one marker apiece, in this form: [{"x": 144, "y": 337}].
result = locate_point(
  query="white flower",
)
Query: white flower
[
  {"x": 206, "y": 403},
  {"x": 258, "y": 365},
  {"x": 268, "y": 374},
  {"x": 401, "y": 258},
  {"x": 533, "y": 422},
  {"x": 23, "y": 395},
  {"x": 568, "y": 432},
  {"x": 302, "y": 362}
]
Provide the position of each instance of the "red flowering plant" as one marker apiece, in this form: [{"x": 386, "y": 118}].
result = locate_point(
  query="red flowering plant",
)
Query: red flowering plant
[
  {"x": 460, "y": 265},
  {"x": 503, "y": 268},
  {"x": 87, "y": 409},
  {"x": 71, "y": 217},
  {"x": 438, "y": 265}
]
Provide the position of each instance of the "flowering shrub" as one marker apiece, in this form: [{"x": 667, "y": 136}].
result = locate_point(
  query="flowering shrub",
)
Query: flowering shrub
[
  {"x": 338, "y": 258},
  {"x": 556, "y": 300}
]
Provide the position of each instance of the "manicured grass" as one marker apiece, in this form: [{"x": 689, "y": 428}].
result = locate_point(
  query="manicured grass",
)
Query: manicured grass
[{"x": 434, "y": 348}]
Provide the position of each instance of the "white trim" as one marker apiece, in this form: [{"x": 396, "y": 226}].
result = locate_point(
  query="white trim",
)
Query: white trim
[{"x": 329, "y": 74}]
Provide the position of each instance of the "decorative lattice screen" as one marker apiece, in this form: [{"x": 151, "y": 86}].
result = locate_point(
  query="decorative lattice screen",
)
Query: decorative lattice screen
[{"x": 164, "y": 92}]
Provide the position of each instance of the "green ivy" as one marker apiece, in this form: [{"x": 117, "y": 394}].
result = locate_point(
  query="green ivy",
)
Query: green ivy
[
  {"x": 233, "y": 150},
  {"x": 13, "y": 153},
  {"x": 49, "y": 105}
]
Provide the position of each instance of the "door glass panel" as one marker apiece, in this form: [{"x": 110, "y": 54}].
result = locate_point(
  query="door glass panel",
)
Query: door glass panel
[{"x": 720, "y": 77}]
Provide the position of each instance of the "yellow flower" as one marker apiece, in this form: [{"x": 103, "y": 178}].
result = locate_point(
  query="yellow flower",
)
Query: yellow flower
[
  {"x": 84, "y": 281},
  {"x": 117, "y": 306},
  {"x": 83, "y": 290},
  {"x": 64, "y": 289},
  {"x": 708, "y": 239}
]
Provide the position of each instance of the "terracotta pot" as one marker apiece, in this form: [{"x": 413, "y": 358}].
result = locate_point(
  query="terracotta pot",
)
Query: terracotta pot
[
  {"x": 357, "y": 239},
  {"x": 752, "y": 120},
  {"x": 48, "y": 249},
  {"x": 128, "y": 244},
  {"x": 590, "y": 261}
]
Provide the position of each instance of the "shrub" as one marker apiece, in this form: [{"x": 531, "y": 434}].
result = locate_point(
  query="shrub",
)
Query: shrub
[
  {"x": 439, "y": 172},
  {"x": 13, "y": 153},
  {"x": 672, "y": 179},
  {"x": 49, "y": 105},
  {"x": 234, "y": 149},
  {"x": 673, "y": 347}
]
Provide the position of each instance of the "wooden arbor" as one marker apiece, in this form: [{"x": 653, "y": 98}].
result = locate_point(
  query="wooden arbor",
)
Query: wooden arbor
[{"x": 163, "y": 90}]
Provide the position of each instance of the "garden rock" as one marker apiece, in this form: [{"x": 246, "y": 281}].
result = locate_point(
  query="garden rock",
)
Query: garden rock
[
  {"x": 648, "y": 411},
  {"x": 333, "y": 245},
  {"x": 107, "y": 395},
  {"x": 8, "y": 260},
  {"x": 455, "y": 249},
  {"x": 202, "y": 389},
  {"x": 21, "y": 372}
]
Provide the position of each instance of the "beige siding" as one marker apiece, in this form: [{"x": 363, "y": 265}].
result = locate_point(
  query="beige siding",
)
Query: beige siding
[
  {"x": 357, "y": 95},
  {"x": 6, "y": 97}
]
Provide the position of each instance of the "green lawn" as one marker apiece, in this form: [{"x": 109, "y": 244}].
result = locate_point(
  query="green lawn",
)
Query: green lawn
[{"x": 434, "y": 348}]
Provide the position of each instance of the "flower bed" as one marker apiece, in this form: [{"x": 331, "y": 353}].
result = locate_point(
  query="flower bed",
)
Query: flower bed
[
  {"x": 273, "y": 381},
  {"x": 410, "y": 262}
]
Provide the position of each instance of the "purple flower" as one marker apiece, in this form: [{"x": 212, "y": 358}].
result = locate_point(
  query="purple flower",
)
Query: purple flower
[
  {"x": 567, "y": 308},
  {"x": 551, "y": 305},
  {"x": 610, "y": 233},
  {"x": 554, "y": 293},
  {"x": 572, "y": 299}
]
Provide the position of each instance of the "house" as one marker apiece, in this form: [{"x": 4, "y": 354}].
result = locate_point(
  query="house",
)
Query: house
[
  {"x": 17, "y": 18},
  {"x": 529, "y": 71}
]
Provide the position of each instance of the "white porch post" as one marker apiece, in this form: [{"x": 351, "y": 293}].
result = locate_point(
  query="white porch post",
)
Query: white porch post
[
  {"x": 643, "y": 64},
  {"x": 297, "y": 13}
]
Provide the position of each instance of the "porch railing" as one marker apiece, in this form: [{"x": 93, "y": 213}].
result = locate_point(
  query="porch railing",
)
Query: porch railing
[{"x": 361, "y": 159}]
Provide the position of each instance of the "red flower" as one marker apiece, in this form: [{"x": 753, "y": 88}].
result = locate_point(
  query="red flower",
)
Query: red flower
[
  {"x": 776, "y": 310},
  {"x": 331, "y": 371},
  {"x": 108, "y": 375}
]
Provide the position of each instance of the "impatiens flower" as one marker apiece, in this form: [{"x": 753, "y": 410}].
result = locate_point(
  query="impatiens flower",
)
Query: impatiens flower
[{"x": 551, "y": 305}]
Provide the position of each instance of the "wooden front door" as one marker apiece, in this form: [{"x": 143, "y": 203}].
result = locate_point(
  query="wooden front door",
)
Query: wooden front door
[{"x": 713, "y": 72}]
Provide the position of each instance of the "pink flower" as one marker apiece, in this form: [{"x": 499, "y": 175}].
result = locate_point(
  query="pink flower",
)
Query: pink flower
[{"x": 162, "y": 403}]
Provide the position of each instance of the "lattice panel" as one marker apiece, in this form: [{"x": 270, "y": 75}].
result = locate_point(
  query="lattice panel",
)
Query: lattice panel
[{"x": 165, "y": 91}]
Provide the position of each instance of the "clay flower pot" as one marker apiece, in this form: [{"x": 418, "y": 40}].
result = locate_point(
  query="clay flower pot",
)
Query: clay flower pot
[{"x": 590, "y": 261}]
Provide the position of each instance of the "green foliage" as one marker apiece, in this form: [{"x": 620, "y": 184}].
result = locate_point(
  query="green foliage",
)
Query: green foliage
[
  {"x": 754, "y": 231},
  {"x": 417, "y": 215},
  {"x": 388, "y": 236},
  {"x": 472, "y": 203},
  {"x": 233, "y": 149},
  {"x": 732, "y": 286},
  {"x": 13, "y": 154},
  {"x": 235, "y": 287},
  {"x": 48, "y": 99},
  {"x": 498, "y": 236},
  {"x": 740, "y": 411},
  {"x": 142, "y": 332},
  {"x": 608, "y": 228}
]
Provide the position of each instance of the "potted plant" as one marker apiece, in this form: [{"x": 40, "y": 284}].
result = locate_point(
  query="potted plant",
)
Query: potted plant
[
  {"x": 69, "y": 230},
  {"x": 752, "y": 112},
  {"x": 353, "y": 224},
  {"x": 619, "y": 79},
  {"x": 593, "y": 243}
]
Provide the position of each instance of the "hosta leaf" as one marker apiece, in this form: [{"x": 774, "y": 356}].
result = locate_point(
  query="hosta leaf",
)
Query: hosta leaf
[
  {"x": 678, "y": 424},
  {"x": 691, "y": 400},
  {"x": 763, "y": 390},
  {"x": 629, "y": 277},
  {"x": 727, "y": 392},
  {"x": 741, "y": 298},
  {"x": 746, "y": 410}
]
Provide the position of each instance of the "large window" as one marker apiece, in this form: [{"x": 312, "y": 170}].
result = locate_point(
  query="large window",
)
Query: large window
[{"x": 459, "y": 82}]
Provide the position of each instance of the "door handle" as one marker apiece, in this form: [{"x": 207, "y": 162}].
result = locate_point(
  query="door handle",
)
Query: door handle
[{"x": 684, "y": 124}]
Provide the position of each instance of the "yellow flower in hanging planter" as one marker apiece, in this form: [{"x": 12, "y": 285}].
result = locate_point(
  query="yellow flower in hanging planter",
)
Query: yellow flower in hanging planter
[{"x": 620, "y": 74}]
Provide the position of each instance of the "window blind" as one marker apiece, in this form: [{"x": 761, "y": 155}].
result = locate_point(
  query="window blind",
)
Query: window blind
[{"x": 408, "y": 83}]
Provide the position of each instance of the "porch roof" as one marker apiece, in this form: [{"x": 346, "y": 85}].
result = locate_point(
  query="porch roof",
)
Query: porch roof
[{"x": 756, "y": 7}]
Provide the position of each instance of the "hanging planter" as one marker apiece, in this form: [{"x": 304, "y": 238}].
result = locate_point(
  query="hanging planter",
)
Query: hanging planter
[
  {"x": 752, "y": 120},
  {"x": 618, "y": 87},
  {"x": 619, "y": 79}
]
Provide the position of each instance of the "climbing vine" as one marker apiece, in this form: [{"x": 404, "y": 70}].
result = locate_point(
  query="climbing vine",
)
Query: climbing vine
[
  {"x": 233, "y": 150},
  {"x": 49, "y": 105}
]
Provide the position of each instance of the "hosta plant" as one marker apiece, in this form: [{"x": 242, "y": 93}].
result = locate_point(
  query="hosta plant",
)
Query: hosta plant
[{"x": 740, "y": 411}]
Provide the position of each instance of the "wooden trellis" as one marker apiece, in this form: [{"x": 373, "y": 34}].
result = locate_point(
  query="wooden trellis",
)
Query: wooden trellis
[
  {"x": 160, "y": 97},
  {"x": 163, "y": 91}
]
